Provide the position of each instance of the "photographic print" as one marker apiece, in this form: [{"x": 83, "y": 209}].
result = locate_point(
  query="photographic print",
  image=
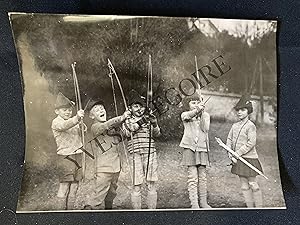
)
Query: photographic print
[{"x": 148, "y": 113}]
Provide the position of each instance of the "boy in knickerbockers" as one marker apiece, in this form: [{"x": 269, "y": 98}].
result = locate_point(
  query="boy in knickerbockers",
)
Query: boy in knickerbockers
[
  {"x": 65, "y": 129},
  {"x": 106, "y": 138},
  {"x": 142, "y": 150}
]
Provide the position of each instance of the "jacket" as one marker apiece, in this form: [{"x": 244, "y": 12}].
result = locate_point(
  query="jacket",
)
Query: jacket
[
  {"x": 107, "y": 137},
  {"x": 195, "y": 136},
  {"x": 66, "y": 134},
  {"x": 242, "y": 139}
]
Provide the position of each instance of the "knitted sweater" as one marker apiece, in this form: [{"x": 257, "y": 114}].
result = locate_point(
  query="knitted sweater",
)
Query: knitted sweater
[
  {"x": 140, "y": 136},
  {"x": 242, "y": 139},
  {"x": 195, "y": 135},
  {"x": 66, "y": 134}
]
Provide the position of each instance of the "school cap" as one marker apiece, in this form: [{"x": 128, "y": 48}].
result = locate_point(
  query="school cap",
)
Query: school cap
[
  {"x": 93, "y": 102},
  {"x": 135, "y": 97},
  {"x": 63, "y": 102}
]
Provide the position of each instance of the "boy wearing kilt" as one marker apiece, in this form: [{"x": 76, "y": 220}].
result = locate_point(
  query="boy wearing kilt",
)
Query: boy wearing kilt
[
  {"x": 242, "y": 140},
  {"x": 196, "y": 124},
  {"x": 141, "y": 147},
  {"x": 106, "y": 138},
  {"x": 65, "y": 129}
]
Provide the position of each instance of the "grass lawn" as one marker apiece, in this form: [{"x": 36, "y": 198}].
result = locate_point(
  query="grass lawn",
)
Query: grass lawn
[{"x": 40, "y": 184}]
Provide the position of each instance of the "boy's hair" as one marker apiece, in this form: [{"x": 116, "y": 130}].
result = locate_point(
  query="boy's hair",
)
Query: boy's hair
[
  {"x": 91, "y": 111},
  {"x": 94, "y": 102},
  {"x": 186, "y": 100}
]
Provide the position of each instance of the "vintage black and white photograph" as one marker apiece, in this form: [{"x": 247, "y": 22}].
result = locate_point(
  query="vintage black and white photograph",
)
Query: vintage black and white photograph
[{"x": 148, "y": 113}]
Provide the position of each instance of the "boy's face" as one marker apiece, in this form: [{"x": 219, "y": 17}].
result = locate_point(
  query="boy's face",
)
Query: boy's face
[
  {"x": 98, "y": 113},
  {"x": 137, "y": 109},
  {"x": 64, "y": 113},
  {"x": 242, "y": 113},
  {"x": 193, "y": 104}
]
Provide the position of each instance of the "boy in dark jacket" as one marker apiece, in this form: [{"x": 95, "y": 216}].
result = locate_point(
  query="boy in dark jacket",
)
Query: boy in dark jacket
[{"x": 106, "y": 138}]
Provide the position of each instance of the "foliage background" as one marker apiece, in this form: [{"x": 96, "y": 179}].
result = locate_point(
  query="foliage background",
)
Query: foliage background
[{"x": 55, "y": 41}]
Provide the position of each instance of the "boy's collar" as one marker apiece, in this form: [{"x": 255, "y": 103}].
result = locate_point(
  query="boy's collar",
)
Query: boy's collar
[
  {"x": 244, "y": 120},
  {"x": 96, "y": 121},
  {"x": 63, "y": 118},
  {"x": 136, "y": 117}
]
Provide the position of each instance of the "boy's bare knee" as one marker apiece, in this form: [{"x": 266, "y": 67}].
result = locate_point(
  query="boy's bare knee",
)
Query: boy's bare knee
[
  {"x": 244, "y": 183},
  {"x": 245, "y": 187},
  {"x": 151, "y": 186},
  {"x": 137, "y": 189},
  {"x": 254, "y": 185}
]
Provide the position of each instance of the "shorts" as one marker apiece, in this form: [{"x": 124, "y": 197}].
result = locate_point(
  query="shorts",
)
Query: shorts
[
  {"x": 139, "y": 167},
  {"x": 70, "y": 168}
]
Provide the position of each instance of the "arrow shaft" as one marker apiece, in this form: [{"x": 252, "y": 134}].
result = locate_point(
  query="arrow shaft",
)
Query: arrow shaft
[{"x": 243, "y": 160}]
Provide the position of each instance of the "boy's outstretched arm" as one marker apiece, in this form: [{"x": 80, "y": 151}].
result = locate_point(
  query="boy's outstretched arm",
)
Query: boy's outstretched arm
[
  {"x": 100, "y": 128},
  {"x": 155, "y": 130},
  {"x": 188, "y": 115},
  {"x": 62, "y": 125},
  {"x": 125, "y": 129}
]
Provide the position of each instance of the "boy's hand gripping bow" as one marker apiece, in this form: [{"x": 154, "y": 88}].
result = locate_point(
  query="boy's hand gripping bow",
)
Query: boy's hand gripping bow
[{"x": 220, "y": 142}]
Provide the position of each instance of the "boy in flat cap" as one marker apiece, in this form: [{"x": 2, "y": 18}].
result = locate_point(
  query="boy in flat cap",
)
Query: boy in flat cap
[
  {"x": 106, "y": 138},
  {"x": 137, "y": 129},
  {"x": 196, "y": 124},
  {"x": 65, "y": 129},
  {"x": 242, "y": 140}
]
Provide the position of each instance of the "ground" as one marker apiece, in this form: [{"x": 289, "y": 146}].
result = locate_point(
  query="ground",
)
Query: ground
[{"x": 40, "y": 185}]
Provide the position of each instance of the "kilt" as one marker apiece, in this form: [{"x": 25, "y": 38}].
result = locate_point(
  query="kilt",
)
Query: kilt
[
  {"x": 70, "y": 168},
  {"x": 243, "y": 170},
  {"x": 191, "y": 158}
]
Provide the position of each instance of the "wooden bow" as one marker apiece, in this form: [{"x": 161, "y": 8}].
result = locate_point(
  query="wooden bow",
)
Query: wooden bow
[
  {"x": 148, "y": 105},
  {"x": 79, "y": 107},
  {"x": 198, "y": 90},
  {"x": 112, "y": 72}
]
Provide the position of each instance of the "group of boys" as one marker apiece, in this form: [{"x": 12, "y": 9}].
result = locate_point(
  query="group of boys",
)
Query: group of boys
[
  {"x": 140, "y": 127},
  {"x": 135, "y": 124}
]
